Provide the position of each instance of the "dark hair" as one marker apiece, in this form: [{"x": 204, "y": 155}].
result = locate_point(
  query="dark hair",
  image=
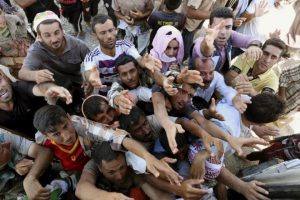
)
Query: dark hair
[
  {"x": 99, "y": 19},
  {"x": 276, "y": 42},
  {"x": 203, "y": 61},
  {"x": 172, "y": 4},
  {"x": 180, "y": 140},
  {"x": 93, "y": 105},
  {"x": 265, "y": 108},
  {"x": 126, "y": 121},
  {"x": 47, "y": 21},
  {"x": 48, "y": 117},
  {"x": 122, "y": 60},
  {"x": 103, "y": 151},
  {"x": 220, "y": 12}
]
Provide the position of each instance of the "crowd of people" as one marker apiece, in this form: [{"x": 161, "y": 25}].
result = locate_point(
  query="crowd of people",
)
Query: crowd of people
[{"x": 175, "y": 94}]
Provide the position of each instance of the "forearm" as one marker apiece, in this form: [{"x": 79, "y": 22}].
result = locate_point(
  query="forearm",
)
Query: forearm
[
  {"x": 41, "y": 163},
  {"x": 135, "y": 147},
  {"x": 86, "y": 188},
  {"x": 196, "y": 14},
  {"x": 230, "y": 180},
  {"x": 158, "y": 78},
  {"x": 89, "y": 191},
  {"x": 191, "y": 127},
  {"x": 26, "y": 75},
  {"x": 119, "y": 15},
  {"x": 163, "y": 185},
  {"x": 160, "y": 110},
  {"x": 40, "y": 89},
  {"x": 210, "y": 127},
  {"x": 248, "y": 16}
]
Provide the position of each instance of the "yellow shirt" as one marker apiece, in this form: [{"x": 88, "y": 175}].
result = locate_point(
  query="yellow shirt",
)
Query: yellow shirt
[{"x": 265, "y": 80}]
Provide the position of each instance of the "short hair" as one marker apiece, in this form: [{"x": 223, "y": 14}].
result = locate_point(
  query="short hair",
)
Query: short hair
[
  {"x": 181, "y": 141},
  {"x": 103, "y": 151},
  {"x": 172, "y": 4},
  {"x": 122, "y": 60},
  {"x": 220, "y": 12},
  {"x": 93, "y": 105},
  {"x": 265, "y": 108},
  {"x": 203, "y": 60},
  {"x": 48, "y": 21},
  {"x": 276, "y": 42},
  {"x": 126, "y": 121},
  {"x": 48, "y": 117},
  {"x": 99, "y": 19}
]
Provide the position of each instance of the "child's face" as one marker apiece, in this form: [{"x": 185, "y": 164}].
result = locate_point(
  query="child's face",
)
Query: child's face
[{"x": 65, "y": 133}]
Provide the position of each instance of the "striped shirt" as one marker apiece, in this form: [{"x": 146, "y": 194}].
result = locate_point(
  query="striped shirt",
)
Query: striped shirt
[{"x": 106, "y": 63}]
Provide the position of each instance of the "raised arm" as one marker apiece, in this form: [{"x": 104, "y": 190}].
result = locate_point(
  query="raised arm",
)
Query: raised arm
[
  {"x": 170, "y": 127},
  {"x": 154, "y": 166},
  {"x": 52, "y": 91}
]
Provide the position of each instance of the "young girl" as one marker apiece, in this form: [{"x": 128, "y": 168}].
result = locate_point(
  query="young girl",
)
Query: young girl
[{"x": 168, "y": 48}]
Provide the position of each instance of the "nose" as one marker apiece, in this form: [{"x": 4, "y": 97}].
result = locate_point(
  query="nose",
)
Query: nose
[
  {"x": 108, "y": 119},
  {"x": 119, "y": 176}
]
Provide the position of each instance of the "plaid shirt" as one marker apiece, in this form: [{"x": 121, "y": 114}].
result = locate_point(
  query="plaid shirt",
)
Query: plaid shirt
[{"x": 290, "y": 79}]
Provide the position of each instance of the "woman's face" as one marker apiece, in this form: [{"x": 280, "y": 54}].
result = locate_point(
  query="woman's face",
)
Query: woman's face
[{"x": 172, "y": 48}]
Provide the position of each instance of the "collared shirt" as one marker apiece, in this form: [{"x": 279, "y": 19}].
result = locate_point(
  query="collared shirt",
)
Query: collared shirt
[
  {"x": 267, "y": 79},
  {"x": 65, "y": 67},
  {"x": 217, "y": 84}
]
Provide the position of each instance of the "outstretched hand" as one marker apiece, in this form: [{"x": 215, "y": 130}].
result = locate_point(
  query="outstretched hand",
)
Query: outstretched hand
[
  {"x": 151, "y": 63},
  {"x": 94, "y": 78},
  {"x": 240, "y": 103},
  {"x": 168, "y": 86},
  {"x": 190, "y": 76},
  {"x": 172, "y": 129},
  {"x": 124, "y": 102},
  {"x": 59, "y": 92},
  {"x": 237, "y": 144}
]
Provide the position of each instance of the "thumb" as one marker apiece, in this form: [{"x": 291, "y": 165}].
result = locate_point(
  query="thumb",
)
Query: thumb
[
  {"x": 124, "y": 92},
  {"x": 213, "y": 103},
  {"x": 179, "y": 128},
  {"x": 169, "y": 160},
  {"x": 195, "y": 182},
  {"x": 184, "y": 70}
]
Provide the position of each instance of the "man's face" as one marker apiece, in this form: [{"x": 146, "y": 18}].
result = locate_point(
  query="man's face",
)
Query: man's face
[
  {"x": 65, "y": 133},
  {"x": 206, "y": 70},
  {"x": 182, "y": 97},
  {"x": 5, "y": 152},
  {"x": 271, "y": 55},
  {"x": 225, "y": 30},
  {"x": 52, "y": 35},
  {"x": 141, "y": 131},
  {"x": 129, "y": 75},
  {"x": 106, "y": 34},
  {"x": 6, "y": 92},
  {"x": 114, "y": 171},
  {"x": 108, "y": 115},
  {"x": 172, "y": 48}
]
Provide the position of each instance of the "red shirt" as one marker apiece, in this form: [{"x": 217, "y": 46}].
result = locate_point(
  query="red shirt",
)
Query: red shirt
[{"x": 72, "y": 157}]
